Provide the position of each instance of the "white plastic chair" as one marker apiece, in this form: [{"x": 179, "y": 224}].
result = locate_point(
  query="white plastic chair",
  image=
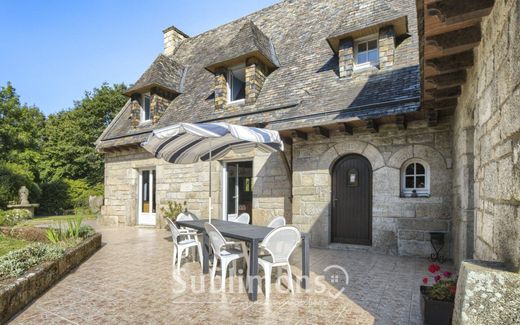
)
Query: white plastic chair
[
  {"x": 223, "y": 250},
  {"x": 276, "y": 222},
  {"x": 243, "y": 218},
  {"x": 186, "y": 216},
  {"x": 180, "y": 245},
  {"x": 280, "y": 244}
]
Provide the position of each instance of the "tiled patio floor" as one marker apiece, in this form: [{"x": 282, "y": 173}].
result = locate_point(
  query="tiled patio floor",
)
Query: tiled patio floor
[{"x": 130, "y": 281}]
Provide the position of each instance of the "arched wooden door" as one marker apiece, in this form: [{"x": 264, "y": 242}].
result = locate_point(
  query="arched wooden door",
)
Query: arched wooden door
[{"x": 352, "y": 201}]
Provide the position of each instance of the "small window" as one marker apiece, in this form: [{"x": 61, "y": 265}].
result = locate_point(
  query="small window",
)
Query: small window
[
  {"x": 237, "y": 84},
  {"x": 415, "y": 179},
  {"x": 366, "y": 52},
  {"x": 145, "y": 108}
]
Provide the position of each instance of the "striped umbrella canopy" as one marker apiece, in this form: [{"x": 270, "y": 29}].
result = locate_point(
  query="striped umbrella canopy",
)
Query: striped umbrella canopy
[{"x": 187, "y": 143}]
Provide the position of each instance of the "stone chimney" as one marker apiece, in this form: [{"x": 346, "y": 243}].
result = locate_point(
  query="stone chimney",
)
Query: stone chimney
[{"x": 172, "y": 39}]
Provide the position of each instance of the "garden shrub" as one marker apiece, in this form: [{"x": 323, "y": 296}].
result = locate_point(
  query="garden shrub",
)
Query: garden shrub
[
  {"x": 14, "y": 216},
  {"x": 80, "y": 190},
  {"x": 75, "y": 230},
  {"x": 12, "y": 177},
  {"x": 16, "y": 263},
  {"x": 55, "y": 198},
  {"x": 60, "y": 196}
]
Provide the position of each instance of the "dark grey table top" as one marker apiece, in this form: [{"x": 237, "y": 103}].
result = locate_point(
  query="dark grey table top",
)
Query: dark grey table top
[{"x": 232, "y": 229}]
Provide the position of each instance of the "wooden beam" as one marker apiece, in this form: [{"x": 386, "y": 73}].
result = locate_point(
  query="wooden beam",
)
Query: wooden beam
[
  {"x": 299, "y": 134},
  {"x": 452, "y": 63},
  {"x": 456, "y": 41},
  {"x": 372, "y": 126},
  {"x": 400, "y": 121},
  {"x": 439, "y": 105},
  {"x": 287, "y": 166},
  {"x": 455, "y": 11},
  {"x": 440, "y": 94},
  {"x": 320, "y": 130},
  {"x": 448, "y": 80},
  {"x": 287, "y": 140},
  {"x": 345, "y": 128},
  {"x": 433, "y": 118}
]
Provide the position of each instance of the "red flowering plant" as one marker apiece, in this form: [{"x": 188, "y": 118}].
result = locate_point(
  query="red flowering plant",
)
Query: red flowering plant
[{"x": 444, "y": 284}]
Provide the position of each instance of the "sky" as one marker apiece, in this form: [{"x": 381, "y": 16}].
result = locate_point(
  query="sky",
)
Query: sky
[{"x": 53, "y": 51}]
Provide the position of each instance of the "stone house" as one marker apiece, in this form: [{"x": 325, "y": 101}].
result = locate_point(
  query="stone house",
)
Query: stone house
[{"x": 376, "y": 154}]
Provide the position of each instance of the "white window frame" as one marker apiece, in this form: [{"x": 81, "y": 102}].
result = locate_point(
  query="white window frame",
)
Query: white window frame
[
  {"x": 230, "y": 81},
  {"x": 369, "y": 64},
  {"x": 421, "y": 192},
  {"x": 143, "y": 114}
]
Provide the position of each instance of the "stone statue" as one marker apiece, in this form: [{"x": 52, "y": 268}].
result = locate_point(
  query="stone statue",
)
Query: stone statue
[{"x": 24, "y": 195}]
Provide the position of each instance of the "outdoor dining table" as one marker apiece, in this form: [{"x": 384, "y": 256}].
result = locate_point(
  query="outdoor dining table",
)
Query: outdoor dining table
[{"x": 252, "y": 234}]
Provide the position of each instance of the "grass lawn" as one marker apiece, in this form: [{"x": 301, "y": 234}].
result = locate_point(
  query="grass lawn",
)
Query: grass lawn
[
  {"x": 8, "y": 244},
  {"x": 51, "y": 219}
]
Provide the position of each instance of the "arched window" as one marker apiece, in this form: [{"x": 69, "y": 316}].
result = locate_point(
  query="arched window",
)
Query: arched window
[{"x": 415, "y": 178}]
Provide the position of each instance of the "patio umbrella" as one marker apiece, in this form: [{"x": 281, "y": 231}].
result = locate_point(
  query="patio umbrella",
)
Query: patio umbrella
[{"x": 188, "y": 143}]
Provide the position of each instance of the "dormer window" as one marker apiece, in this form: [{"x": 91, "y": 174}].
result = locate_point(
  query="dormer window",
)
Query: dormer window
[
  {"x": 366, "y": 52},
  {"x": 145, "y": 108},
  {"x": 236, "y": 84}
]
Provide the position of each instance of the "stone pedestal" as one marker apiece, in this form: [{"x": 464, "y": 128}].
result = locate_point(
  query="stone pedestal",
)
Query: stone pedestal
[
  {"x": 27, "y": 207},
  {"x": 487, "y": 294}
]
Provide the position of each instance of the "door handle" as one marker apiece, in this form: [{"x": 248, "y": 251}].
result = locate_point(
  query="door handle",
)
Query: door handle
[{"x": 334, "y": 201}]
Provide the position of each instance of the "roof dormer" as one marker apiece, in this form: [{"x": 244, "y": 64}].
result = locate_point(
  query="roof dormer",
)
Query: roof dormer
[
  {"x": 242, "y": 66},
  {"x": 155, "y": 89},
  {"x": 363, "y": 42}
]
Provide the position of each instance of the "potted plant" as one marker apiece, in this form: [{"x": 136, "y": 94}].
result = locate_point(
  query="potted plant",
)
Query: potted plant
[{"x": 437, "y": 300}]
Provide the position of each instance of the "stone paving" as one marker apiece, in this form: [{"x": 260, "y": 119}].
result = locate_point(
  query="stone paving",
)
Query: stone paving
[{"x": 130, "y": 280}]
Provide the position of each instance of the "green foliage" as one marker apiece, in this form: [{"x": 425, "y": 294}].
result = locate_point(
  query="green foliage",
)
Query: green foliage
[
  {"x": 54, "y": 235},
  {"x": 69, "y": 152},
  {"x": 12, "y": 177},
  {"x": 21, "y": 130},
  {"x": 73, "y": 227},
  {"x": 57, "y": 152},
  {"x": 12, "y": 217},
  {"x": 79, "y": 191},
  {"x": 8, "y": 244},
  {"x": 55, "y": 198},
  {"x": 17, "y": 262},
  {"x": 86, "y": 231},
  {"x": 173, "y": 210},
  {"x": 443, "y": 290},
  {"x": 75, "y": 230}
]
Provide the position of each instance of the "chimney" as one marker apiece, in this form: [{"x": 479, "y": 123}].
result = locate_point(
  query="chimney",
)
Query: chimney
[{"x": 172, "y": 39}]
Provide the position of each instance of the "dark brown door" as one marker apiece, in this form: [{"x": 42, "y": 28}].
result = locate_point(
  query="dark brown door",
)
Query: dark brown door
[{"x": 352, "y": 201}]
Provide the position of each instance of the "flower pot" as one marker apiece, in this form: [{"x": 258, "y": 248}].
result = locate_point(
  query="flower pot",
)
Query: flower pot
[{"x": 435, "y": 312}]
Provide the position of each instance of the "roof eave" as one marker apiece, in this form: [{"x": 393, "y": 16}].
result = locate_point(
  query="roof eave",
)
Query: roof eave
[
  {"x": 148, "y": 87},
  {"x": 240, "y": 59}
]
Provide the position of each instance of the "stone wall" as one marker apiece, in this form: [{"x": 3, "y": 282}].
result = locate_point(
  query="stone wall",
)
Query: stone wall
[
  {"x": 16, "y": 294},
  {"x": 400, "y": 225},
  {"x": 190, "y": 184},
  {"x": 488, "y": 119}
]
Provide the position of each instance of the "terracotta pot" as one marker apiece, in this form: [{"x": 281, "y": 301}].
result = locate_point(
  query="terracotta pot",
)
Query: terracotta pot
[{"x": 435, "y": 312}]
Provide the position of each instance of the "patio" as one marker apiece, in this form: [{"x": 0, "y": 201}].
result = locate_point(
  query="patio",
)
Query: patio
[{"x": 130, "y": 281}]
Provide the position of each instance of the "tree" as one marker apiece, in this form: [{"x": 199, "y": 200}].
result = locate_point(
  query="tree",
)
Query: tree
[
  {"x": 68, "y": 150},
  {"x": 20, "y": 131}
]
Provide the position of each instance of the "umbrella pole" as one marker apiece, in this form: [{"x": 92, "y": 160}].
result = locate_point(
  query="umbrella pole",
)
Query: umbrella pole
[{"x": 210, "y": 203}]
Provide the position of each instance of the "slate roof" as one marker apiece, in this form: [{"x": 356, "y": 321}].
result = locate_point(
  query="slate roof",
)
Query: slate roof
[
  {"x": 249, "y": 40},
  {"x": 164, "y": 72},
  {"x": 305, "y": 89}
]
